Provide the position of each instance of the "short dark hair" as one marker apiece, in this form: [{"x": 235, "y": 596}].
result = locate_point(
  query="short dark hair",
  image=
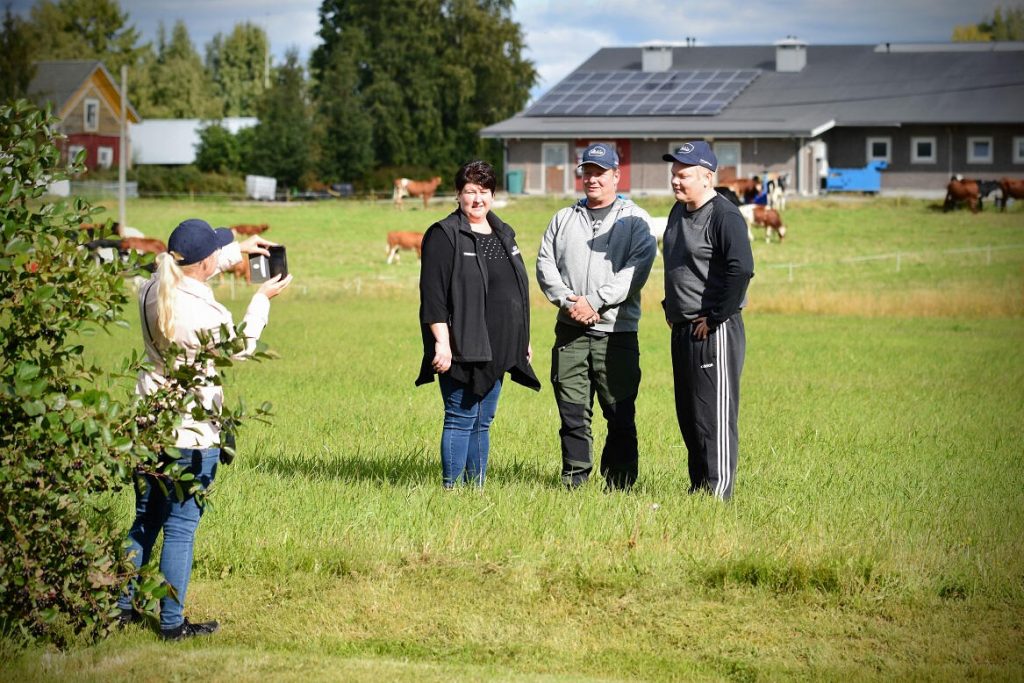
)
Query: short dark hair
[{"x": 476, "y": 172}]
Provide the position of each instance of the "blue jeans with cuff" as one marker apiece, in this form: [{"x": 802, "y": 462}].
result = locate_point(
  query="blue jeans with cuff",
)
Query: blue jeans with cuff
[
  {"x": 155, "y": 510},
  {"x": 466, "y": 437}
]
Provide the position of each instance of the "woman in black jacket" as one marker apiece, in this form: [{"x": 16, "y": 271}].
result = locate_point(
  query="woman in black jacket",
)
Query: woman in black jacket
[{"x": 475, "y": 319}]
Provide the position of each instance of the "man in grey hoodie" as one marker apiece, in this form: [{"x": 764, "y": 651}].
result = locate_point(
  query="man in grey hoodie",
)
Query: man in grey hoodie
[{"x": 594, "y": 258}]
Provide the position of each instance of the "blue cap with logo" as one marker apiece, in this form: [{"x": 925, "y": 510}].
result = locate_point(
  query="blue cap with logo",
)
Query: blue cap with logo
[
  {"x": 696, "y": 153},
  {"x": 601, "y": 154},
  {"x": 194, "y": 239}
]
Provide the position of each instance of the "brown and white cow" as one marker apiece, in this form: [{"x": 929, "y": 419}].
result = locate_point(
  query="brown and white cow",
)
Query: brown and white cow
[
  {"x": 745, "y": 188},
  {"x": 415, "y": 188},
  {"x": 962, "y": 190},
  {"x": 760, "y": 216},
  {"x": 398, "y": 240},
  {"x": 143, "y": 245}
]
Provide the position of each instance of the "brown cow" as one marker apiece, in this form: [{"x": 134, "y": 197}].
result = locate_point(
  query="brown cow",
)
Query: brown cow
[
  {"x": 404, "y": 240},
  {"x": 1012, "y": 189},
  {"x": 143, "y": 245},
  {"x": 769, "y": 219},
  {"x": 415, "y": 188},
  {"x": 745, "y": 188},
  {"x": 245, "y": 229},
  {"x": 240, "y": 270},
  {"x": 959, "y": 190}
]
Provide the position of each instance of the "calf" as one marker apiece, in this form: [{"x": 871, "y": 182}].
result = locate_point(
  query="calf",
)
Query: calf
[
  {"x": 960, "y": 190},
  {"x": 769, "y": 219},
  {"x": 247, "y": 230},
  {"x": 1012, "y": 189},
  {"x": 143, "y": 245},
  {"x": 398, "y": 240},
  {"x": 415, "y": 188}
]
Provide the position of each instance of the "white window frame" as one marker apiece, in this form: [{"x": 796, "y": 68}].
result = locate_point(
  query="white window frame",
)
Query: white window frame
[
  {"x": 564, "y": 146},
  {"x": 971, "y": 157},
  {"x": 73, "y": 151},
  {"x": 871, "y": 143},
  {"x": 716, "y": 147},
  {"x": 1018, "y": 150},
  {"x": 917, "y": 159},
  {"x": 91, "y": 102},
  {"x": 109, "y": 152}
]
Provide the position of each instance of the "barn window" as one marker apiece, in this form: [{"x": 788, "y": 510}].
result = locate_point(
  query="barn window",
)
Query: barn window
[
  {"x": 979, "y": 150},
  {"x": 879, "y": 149},
  {"x": 1018, "y": 150},
  {"x": 922, "y": 150},
  {"x": 92, "y": 114},
  {"x": 105, "y": 157},
  {"x": 73, "y": 151}
]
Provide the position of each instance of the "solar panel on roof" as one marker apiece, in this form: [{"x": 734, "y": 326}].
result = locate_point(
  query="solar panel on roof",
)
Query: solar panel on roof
[{"x": 644, "y": 93}]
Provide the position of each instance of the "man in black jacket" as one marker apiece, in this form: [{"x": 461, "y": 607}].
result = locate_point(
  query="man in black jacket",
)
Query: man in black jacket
[{"x": 708, "y": 265}]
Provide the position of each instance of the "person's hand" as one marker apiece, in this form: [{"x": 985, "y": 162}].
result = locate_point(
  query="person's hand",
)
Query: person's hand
[
  {"x": 529, "y": 352},
  {"x": 274, "y": 286},
  {"x": 581, "y": 311},
  {"x": 701, "y": 328},
  {"x": 256, "y": 245},
  {"x": 442, "y": 357}
]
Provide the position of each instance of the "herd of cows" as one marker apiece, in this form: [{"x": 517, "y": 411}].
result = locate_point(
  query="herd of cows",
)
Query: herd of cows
[
  {"x": 759, "y": 203},
  {"x": 973, "y": 192}
]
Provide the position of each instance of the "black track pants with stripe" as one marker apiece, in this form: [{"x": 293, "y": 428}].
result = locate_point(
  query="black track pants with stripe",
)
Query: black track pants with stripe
[{"x": 707, "y": 388}]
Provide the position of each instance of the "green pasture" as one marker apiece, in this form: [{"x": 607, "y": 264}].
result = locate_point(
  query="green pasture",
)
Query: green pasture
[{"x": 876, "y": 531}]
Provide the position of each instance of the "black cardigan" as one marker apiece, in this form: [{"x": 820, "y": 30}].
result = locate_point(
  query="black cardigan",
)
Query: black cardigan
[{"x": 459, "y": 295}]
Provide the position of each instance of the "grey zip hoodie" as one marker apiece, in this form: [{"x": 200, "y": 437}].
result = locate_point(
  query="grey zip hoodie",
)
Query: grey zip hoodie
[{"x": 608, "y": 265}]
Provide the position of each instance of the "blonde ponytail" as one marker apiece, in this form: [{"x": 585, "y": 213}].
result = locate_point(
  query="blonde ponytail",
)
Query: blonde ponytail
[{"x": 170, "y": 275}]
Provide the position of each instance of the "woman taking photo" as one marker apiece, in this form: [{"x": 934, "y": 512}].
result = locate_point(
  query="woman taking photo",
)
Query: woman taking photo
[
  {"x": 475, "y": 319},
  {"x": 176, "y": 306}
]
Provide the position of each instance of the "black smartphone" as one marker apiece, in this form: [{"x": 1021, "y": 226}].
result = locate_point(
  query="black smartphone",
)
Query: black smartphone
[
  {"x": 278, "y": 261},
  {"x": 263, "y": 268}
]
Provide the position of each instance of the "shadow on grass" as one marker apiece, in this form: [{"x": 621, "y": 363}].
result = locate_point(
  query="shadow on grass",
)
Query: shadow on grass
[{"x": 395, "y": 468}]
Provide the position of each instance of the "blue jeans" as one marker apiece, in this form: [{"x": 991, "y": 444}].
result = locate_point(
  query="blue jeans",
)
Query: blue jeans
[
  {"x": 155, "y": 510},
  {"x": 466, "y": 438}
]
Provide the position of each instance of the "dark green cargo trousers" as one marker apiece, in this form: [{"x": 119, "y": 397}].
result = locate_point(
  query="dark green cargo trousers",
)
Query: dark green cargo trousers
[{"x": 608, "y": 366}]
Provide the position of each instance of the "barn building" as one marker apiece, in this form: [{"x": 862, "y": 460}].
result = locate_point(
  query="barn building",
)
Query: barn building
[
  {"x": 926, "y": 110},
  {"x": 86, "y": 99}
]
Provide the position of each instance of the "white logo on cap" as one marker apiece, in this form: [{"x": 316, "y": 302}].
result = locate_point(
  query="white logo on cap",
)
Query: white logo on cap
[
  {"x": 686, "y": 149},
  {"x": 706, "y": 162},
  {"x": 597, "y": 152}
]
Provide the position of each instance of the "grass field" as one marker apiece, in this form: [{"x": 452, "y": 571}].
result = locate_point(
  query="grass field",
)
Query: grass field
[{"x": 876, "y": 532}]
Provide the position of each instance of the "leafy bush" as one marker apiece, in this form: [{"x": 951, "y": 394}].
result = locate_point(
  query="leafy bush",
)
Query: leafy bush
[
  {"x": 184, "y": 180},
  {"x": 71, "y": 431}
]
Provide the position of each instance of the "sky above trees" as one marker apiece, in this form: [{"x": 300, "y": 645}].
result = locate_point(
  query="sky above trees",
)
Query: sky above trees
[{"x": 560, "y": 35}]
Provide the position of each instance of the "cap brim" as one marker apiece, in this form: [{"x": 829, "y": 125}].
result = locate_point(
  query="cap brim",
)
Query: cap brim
[
  {"x": 668, "y": 157},
  {"x": 595, "y": 163},
  {"x": 224, "y": 236}
]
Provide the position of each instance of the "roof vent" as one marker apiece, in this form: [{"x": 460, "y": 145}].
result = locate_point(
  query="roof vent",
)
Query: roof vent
[
  {"x": 657, "y": 58},
  {"x": 790, "y": 54}
]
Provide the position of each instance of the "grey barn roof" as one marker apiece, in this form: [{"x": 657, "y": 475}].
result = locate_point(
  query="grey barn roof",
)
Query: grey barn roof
[
  {"x": 841, "y": 85},
  {"x": 57, "y": 81}
]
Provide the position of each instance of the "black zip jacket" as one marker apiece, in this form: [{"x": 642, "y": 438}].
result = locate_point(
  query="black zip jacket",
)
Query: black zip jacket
[{"x": 453, "y": 289}]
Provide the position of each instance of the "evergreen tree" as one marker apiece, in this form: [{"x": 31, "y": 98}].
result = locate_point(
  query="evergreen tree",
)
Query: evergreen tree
[
  {"x": 428, "y": 74},
  {"x": 181, "y": 87},
  {"x": 281, "y": 139},
  {"x": 15, "y": 57},
  {"x": 344, "y": 127},
  {"x": 237, "y": 64},
  {"x": 84, "y": 29}
]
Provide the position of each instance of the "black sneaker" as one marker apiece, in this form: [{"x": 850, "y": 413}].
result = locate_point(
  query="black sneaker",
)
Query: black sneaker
[
  {"x": 189, "y": 630},
  {"x": 128, "y": 617}
]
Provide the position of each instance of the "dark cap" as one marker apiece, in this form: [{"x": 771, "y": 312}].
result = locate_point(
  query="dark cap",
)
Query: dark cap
[
  {"x": 696, "y": 153},
  {"x": 194, "y": 239},
  {"x": 601, "y": 154}
]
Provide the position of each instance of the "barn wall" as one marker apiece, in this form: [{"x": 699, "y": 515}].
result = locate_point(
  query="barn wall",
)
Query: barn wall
[
  {"x": 525, "y": 155},
  {"x": 74, "y": 122},
  {"x": 847, "y": 148}
]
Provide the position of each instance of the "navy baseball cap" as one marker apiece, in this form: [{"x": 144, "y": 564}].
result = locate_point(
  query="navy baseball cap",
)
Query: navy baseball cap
[
  {"x": 601, "y": 154},
  {"x": 696, "y": 153},
  {"x": 194, "y": 239}
]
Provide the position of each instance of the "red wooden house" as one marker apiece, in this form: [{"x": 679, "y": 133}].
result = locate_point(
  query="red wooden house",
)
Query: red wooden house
[{"x": 87, "y": 100}]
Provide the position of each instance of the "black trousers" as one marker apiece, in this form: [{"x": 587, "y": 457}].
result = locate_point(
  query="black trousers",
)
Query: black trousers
[{"x": 707, "y": 388}]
